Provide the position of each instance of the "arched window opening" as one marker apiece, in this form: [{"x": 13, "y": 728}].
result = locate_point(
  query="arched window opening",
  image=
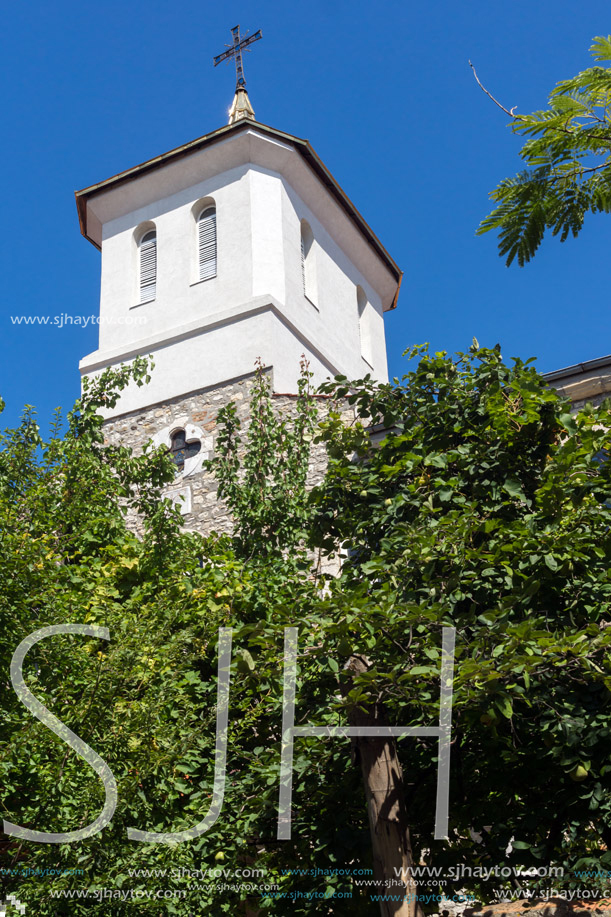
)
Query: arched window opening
[
  {"x": 303, "y": 261},
  {"x": 365, "y": 311},
  {"x": 308, "y": 263},
  {"x": 148, "y": 266},
  {"x": 181, "y": 450},
  {"x": 206, "y": 242}
]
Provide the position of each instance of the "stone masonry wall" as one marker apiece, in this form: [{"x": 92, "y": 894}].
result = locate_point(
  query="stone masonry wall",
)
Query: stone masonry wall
[{"x": 195, "y": 490}]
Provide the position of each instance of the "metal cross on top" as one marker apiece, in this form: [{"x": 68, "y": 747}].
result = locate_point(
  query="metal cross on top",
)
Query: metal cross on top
[{"x": 235, "y": 51}]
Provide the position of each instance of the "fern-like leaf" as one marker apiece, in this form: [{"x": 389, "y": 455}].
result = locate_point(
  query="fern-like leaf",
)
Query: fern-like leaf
[
  {"x": 601, "y": 48},
  {"x": 568, "y": 151}
]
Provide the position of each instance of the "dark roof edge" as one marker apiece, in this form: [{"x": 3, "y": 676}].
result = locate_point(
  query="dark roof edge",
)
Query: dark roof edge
[
  {"x": 577, "y": 369},
  {"x": 304, "y": 148}
]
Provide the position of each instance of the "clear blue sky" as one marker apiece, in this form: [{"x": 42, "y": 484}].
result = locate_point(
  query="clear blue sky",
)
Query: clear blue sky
[{"x": 382, "y": 91}]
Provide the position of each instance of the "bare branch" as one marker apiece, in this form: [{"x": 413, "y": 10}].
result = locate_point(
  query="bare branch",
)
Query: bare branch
[{"x": 510, "y": 112}]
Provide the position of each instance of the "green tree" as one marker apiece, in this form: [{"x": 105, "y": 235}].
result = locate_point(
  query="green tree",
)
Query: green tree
[
  {"x": 568, "y": 157},
  {"x": 145, "y": 700},
  {"x": 485, "y": 508},
  {"x": 262, "y": 475}
]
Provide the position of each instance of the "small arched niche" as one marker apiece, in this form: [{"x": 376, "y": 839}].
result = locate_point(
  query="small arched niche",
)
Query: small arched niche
[
  {"x": 365, "y": 319},
  {"x": 308, "y": 263}
]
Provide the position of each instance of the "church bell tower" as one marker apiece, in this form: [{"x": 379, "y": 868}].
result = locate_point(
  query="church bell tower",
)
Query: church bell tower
[{"x": 237, "y": 246}]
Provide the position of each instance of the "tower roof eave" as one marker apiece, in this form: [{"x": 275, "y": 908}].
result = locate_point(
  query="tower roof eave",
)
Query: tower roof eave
[{"x": 303, "y": 147}]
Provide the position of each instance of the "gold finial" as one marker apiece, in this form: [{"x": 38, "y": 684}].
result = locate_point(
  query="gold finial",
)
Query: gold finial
[{"x": 241, "y": 107}]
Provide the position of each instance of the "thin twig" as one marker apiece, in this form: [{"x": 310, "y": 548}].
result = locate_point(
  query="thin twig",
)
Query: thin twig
[
  {"x": 578, "y": 173},
  {"x": 403, "y": 649},
  {"x": 17, "y": 855},
  {"x": 510, "y": 112}
]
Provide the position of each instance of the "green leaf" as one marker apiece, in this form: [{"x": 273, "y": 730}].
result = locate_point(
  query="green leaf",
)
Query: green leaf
[
  {"x": 513, "y": 488},
  {"x": 504, "y": 705}
]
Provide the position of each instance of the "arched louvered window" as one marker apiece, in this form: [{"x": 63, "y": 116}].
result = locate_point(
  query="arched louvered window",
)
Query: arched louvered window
[
  {"x": 206, "y": 242},
  {"x": 148, "y": 266}
]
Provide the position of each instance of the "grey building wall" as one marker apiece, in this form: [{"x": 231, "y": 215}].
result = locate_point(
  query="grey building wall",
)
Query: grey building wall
[{"x": 583, "y": 382}]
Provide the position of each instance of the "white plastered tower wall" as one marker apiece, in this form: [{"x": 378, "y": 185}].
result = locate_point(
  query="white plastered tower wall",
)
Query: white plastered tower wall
[
  {"x": 206, "y": 335},
  {"x": 202, "y": 333}
]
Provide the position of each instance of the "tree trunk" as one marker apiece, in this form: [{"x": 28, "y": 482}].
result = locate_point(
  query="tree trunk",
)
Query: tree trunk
[{"x": 383, "y": 780}]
